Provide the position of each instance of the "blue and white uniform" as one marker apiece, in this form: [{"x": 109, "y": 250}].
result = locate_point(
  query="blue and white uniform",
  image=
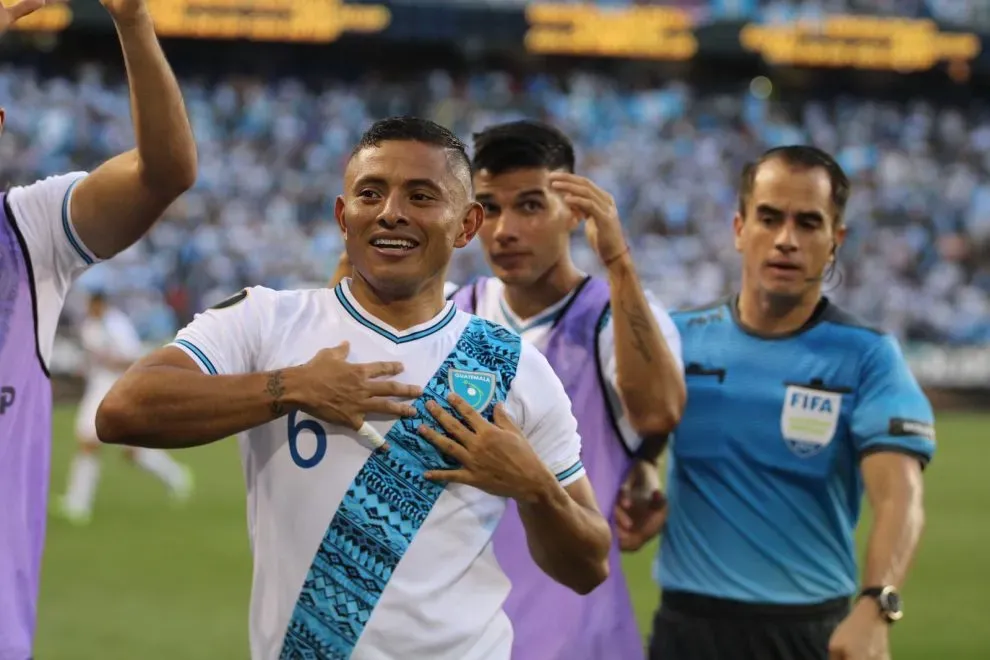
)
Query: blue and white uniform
[{"x": 355, "y": 554}]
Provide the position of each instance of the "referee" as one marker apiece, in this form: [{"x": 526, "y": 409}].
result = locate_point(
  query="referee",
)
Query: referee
[{"x": 794, "y": 408}]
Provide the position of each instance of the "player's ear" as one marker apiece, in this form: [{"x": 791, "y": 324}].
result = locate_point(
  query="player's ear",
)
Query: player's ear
[
  {"x": 473, "y": 217},
  {"x": 3, "y": 118},
  {"x": 737, "y": 230},
  {"x": 839, "y": 237},
  {"x": 338, "y": 213}
]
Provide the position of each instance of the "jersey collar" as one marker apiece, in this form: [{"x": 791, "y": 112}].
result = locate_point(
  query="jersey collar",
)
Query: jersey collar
[
  {"x": 346, "y": 299},
  {"x": 548, "y": 316},
  {"x": 817, "y": 316}
]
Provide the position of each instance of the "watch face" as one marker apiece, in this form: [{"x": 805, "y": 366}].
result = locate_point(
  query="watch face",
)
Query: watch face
[{"x": 890, "y": 603}]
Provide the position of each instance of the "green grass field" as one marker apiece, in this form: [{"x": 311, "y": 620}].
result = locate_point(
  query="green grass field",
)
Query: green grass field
[{"x": 147, "y": 582}]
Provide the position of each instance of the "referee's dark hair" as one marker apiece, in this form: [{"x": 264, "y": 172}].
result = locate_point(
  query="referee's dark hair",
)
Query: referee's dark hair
[
  {"x": 415, "y": 129},
  {"x": 522, "y": 144},
  {"x": 803, "y": 157}
]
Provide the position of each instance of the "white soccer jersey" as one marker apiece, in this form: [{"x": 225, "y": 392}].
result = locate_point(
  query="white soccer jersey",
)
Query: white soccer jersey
[
  {"x": 491, "y": 305},
  {"x": 57, "y": 254},
  {"x": 331, "y": 520}
]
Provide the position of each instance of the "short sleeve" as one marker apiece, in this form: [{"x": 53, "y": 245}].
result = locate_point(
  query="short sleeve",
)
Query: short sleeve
[
  {"x": 41, "y": 211},
  {"x": 227, "y": 338},
  {"x": 892, "y": 413},
  {"x": 538, "y": 403},
  {"x": 57, "y": 254}
]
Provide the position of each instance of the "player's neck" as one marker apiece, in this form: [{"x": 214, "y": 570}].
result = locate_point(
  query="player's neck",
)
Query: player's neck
[
  {"x": 772, "y": 315},
  {"x": 528, "y": 301},
  {"x": 398, "y": 312}
]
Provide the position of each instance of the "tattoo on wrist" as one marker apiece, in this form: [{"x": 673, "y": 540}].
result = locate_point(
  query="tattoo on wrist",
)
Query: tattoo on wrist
[{"x": 276, "y": 389}]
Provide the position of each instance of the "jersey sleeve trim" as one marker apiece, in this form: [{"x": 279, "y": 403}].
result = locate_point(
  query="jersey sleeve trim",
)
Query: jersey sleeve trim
[
  {"x": 571, "y": 474},
  {"x": 194, "y": 352},
  {"x": 70, "y": 232},
  {"x": 881, "y": 447}
]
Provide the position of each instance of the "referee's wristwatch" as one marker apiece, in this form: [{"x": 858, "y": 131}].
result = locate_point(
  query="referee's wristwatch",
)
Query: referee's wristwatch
[{"x": 887, "y": 599}]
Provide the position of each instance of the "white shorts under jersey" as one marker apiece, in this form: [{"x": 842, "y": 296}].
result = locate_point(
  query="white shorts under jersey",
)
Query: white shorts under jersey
[
  {"x": 58, "y": 256},
  {"x": 105, "y": 340},
  {"x": 491, "y": 305},
  {"x": 331, "y": 520}
]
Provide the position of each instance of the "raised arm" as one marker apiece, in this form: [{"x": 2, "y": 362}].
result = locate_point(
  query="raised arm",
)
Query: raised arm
[
  {"x": 648, "y": 372},
  {"x": 121, "y": 199}
]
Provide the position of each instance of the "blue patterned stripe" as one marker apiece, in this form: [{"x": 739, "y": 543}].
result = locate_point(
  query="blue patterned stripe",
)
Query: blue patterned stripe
[
  {"x": 384, "y": 508},
  {"x": 205, "y": 361},
  {"x": 570, "y": 472},
  {"x": 371, "y": 325},
  {"x": 69, "y": 233}
]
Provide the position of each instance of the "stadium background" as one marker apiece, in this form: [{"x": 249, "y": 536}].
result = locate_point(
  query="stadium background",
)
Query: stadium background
[{"x": 665, "y": 100}]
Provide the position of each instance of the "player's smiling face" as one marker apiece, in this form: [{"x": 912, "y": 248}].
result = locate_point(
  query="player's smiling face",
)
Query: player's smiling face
[
  {"x": 406, "y": 206},
  {"x": 788, "y": 232},
  {"x": 527, "y": 226}
]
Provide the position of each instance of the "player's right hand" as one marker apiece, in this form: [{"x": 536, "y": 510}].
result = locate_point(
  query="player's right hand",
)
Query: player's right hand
[
  {"x": 11, "y": 13},
  {"x": 641, "y": 508},
  {"x": 338, "y": 392}
]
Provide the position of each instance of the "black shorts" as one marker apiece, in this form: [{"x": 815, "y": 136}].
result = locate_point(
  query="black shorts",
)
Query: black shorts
[{"x": 693, "y": 627}]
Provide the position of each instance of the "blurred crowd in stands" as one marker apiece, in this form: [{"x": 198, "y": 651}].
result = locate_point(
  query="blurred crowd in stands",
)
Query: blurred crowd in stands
[
  {"x": 952, "y": 12},
  {"x": 272, "y": 152}
]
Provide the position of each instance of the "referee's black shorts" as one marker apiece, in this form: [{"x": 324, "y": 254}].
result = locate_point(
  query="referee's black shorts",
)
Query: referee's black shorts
[{"x": 694, "y": 627}]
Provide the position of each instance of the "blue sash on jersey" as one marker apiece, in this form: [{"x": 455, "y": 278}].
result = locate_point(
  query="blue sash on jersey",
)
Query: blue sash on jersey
[{"x": 385, "y": 506}]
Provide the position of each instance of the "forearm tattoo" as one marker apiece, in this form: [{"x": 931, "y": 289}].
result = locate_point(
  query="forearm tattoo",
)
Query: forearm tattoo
[{"x": 276, "y": 389}]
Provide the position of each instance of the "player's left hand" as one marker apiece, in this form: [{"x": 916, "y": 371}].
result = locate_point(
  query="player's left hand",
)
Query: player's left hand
[
  {"x": 641, "y": 509},
  {"x": 495, "y": 458},
  {"x": 602, "y": 226},
  {"x": 125, "y": 10},
  {"x": 10, "y": 13},
  {"x": 863, "y": 635}
]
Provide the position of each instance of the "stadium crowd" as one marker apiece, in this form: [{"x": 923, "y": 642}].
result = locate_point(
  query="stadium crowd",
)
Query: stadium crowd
[
  {"x": 952, "y": 12},
  {"x": 271, "y": 157}
]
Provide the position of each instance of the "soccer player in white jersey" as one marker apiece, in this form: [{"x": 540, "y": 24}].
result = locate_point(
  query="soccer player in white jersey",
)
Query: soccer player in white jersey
[
  {"x": 470, "y": 415},
  {"x": 111, "y": 344},
  {"x": 616, "y": 350},
  {"x": 50, "y": 232}
]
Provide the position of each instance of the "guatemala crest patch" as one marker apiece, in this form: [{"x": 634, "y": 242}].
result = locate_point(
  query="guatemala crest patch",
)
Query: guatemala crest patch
[{"x": 475, "y": 387}]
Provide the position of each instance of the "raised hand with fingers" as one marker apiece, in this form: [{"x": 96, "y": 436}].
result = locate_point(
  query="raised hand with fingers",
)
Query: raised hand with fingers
[
  {"x": 495, "y": 458},
  {"x": 337, "y": 391},
  {"x": 10, "y": 13},
  {"x": 602, "y": 227}
]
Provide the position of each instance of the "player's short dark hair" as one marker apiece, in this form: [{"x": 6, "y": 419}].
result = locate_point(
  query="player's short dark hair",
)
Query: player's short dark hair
[
  {"x": 415, "y": 129},
  {"x": 98, "y": 296},
  {"x": 522, "y": 144},
  {"x": 804, "y": 157}
]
